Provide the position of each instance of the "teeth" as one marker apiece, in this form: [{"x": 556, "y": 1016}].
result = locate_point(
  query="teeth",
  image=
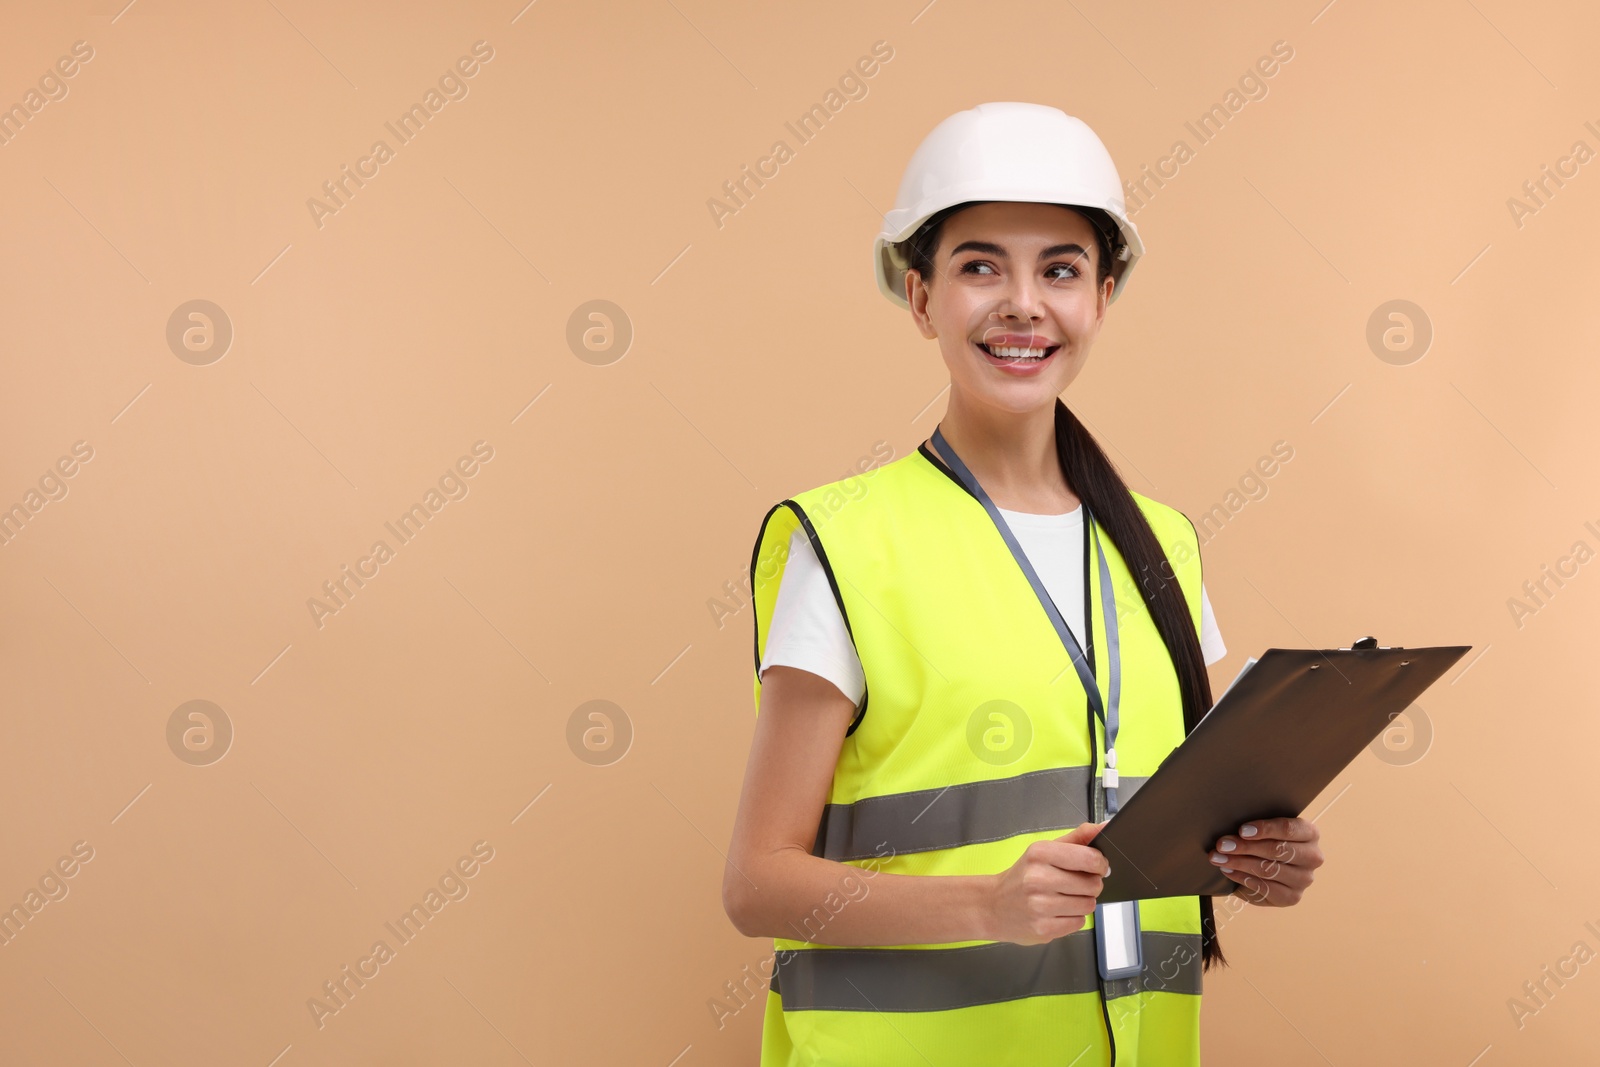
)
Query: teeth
[{"x": 1015, "y": 352}]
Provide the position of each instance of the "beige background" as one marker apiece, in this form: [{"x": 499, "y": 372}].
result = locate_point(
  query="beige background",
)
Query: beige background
[{"x": 587, "y": 559}]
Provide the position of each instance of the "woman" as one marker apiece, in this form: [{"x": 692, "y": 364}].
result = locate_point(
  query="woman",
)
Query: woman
[{"x": 931, "y": 710}]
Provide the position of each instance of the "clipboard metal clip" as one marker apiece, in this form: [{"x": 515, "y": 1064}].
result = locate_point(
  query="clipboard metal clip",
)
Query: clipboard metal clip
[{"x": 1367, "y": 643}]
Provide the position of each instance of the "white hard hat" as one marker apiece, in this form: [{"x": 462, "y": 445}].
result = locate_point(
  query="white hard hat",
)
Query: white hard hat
[{"x": 1004, "y": 151}]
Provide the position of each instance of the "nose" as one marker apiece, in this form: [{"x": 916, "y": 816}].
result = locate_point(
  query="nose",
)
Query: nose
[{"x": 1022, "y": 298}]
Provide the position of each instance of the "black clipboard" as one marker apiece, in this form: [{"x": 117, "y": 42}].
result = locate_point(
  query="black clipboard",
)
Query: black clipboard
[{"x": 1284, "y": 729}]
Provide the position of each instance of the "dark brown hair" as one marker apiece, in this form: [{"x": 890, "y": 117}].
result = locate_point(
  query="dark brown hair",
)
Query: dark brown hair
[{"x": 1093, "y": 478}]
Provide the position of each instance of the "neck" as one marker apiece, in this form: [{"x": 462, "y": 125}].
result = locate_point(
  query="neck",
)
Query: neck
[{"x": 1012, "y": 455}]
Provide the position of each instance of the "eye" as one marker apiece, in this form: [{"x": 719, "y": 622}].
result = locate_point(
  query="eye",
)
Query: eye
[
  {"x": 970, "y": 267},
  {"x": 1064, "y": 266}
]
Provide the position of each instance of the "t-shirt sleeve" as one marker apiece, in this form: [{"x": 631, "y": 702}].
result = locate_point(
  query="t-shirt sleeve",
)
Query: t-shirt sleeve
[
  {"x": 1211, "y": 646},
  {"x": 807, "y": 630}
]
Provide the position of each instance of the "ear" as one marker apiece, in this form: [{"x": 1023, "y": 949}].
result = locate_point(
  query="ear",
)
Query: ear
[{"x": 917, "y": 297}]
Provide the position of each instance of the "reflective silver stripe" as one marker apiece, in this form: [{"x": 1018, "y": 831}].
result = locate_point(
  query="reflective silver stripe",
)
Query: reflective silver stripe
[
  {"x": 927, "y": 819},
  {"x": 939, "y": 979}
]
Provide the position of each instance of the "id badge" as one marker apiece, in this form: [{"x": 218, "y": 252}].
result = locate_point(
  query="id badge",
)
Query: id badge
[{"x": 1116, "y": 939}]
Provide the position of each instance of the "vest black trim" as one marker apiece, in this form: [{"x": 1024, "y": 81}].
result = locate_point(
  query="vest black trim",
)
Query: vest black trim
[
  {"x": 933, "y": 457},
  {"x": 827, "y": 568}
]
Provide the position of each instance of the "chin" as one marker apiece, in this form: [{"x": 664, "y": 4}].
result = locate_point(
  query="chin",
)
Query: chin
[{"x": 1021, "y": 398}]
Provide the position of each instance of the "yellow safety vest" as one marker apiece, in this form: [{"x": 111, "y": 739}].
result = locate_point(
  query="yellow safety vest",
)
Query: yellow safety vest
[{"x": 973, "y": 739}]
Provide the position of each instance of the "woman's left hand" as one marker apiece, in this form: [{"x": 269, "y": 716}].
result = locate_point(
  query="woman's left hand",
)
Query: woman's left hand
[{"x": 1273, "y": 860}]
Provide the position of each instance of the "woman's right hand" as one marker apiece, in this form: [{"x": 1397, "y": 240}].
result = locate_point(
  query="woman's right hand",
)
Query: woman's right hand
[{"x": 1049, "y": 890}]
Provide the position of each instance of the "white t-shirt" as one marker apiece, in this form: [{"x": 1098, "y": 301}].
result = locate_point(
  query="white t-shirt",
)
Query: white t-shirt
[{"x": 808, "y": 632}]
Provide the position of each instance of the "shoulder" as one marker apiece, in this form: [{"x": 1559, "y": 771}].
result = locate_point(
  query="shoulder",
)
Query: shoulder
[
  {"x": 880, "y": 477},
  {"x": 1175, "y": 530},
  {"x": 1158, "y": 511},
  {"x": 803, "y": 515}
]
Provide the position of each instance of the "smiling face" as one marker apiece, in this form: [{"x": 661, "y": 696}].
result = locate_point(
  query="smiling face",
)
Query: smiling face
[{"x": 1011, "y": 282}]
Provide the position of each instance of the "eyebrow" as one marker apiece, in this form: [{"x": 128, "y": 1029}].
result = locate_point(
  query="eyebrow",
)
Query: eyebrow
[{"x": 989, "y": 248}]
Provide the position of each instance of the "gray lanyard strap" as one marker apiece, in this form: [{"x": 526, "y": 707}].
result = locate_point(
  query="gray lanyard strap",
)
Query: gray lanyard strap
[{"x": 1108, "y": 605}]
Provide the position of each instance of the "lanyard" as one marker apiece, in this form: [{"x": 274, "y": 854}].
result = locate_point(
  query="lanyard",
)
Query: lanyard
[{"x": 1105, "y": 712}]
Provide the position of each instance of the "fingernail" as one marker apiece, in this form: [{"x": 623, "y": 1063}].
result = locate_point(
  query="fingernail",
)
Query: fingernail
[
  {"x": 1107, "y": 874},
  {"x": 1247, "y": 831},
  {"x": 1228, "y": 846},
  {"x": 1227, "y": 870},
  {"x": 1218, "y": 859}
]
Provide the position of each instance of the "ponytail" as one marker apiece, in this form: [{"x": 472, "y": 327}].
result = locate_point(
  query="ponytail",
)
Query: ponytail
[{"x": 1092, "y": 477}]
